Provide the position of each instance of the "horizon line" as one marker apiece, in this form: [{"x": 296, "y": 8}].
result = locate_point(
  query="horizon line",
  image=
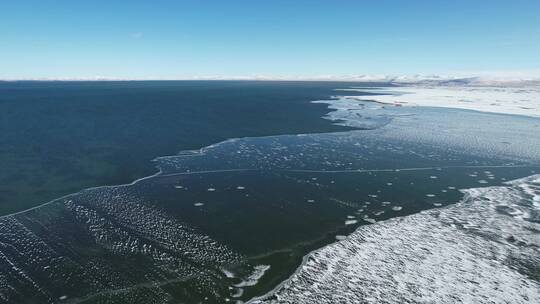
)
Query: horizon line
[{"x": 478, "y": 78}]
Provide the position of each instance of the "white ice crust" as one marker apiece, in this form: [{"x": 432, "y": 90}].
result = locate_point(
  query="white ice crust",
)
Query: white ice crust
[
  {"x": 508, "y": 100},
  {"x": 484, "y": 249}
]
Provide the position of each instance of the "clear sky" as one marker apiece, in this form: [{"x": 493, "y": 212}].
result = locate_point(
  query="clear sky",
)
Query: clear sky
[{"x": 175, "y": 39}]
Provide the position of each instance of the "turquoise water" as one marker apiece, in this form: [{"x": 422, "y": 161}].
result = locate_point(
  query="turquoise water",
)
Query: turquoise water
[{"x": 60, "y": 137}]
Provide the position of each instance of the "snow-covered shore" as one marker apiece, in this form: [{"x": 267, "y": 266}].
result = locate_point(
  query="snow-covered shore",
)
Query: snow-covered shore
[
  {"x": 481, "y": 250},
  {"x": 519, "y": 100}
]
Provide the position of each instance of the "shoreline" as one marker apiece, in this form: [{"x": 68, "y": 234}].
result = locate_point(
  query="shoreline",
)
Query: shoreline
[
  {"x": 473, "y": 197},
  {"x": 492, "y": 99},
  {"x": 203, "y": 150}
]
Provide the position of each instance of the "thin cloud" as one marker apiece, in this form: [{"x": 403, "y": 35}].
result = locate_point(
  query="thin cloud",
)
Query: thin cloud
[{"x": 137, "y": 35}]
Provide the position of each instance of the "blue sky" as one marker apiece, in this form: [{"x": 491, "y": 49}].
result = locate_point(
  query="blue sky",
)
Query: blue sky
[{"x": 175, "y": 39}]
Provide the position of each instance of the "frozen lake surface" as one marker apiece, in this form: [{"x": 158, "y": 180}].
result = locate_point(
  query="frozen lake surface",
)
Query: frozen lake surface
[{"x": 232, "y": 221}]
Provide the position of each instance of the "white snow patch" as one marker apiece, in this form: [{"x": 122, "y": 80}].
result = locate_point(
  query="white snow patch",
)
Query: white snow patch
[
  {"x": 509, "y": 100},
  {"x": 480, "y": 250}
]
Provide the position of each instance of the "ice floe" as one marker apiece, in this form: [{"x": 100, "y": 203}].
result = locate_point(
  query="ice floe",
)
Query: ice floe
[{"x": 253, "y": 278}]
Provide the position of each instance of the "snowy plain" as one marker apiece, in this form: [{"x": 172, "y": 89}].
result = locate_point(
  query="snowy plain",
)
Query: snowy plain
[{"x": 520, "y": 100}]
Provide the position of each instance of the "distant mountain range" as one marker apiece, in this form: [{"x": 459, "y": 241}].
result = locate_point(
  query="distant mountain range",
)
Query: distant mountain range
[{"x": 423, "y": 80}]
